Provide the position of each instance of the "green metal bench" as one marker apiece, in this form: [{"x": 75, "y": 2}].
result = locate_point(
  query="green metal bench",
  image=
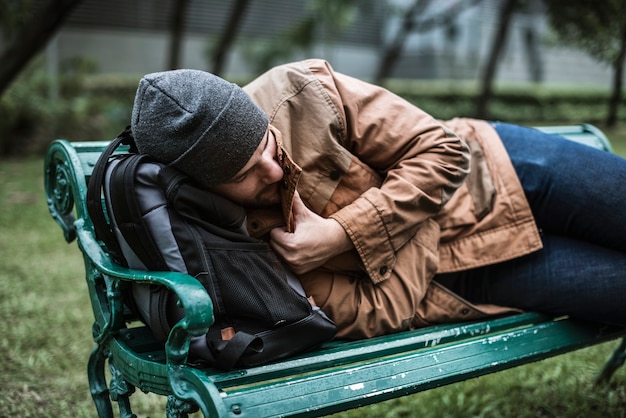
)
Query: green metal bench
[{"x": 340, "y": 375}]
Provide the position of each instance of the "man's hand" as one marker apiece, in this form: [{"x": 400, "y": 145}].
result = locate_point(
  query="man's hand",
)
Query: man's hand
[{"x": 314, "y": 241}]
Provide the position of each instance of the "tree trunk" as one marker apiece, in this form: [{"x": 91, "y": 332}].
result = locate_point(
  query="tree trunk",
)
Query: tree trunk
[
  {"x": 618, "y": 74},
  {"x": 32, "y": 38},
  {"x": 228, "y": 35},
  {"x": 535, "y": 64},
  {"x": 177, "y": 28},
  {"x": 411, "y": 24},
  {"x": 499, "y": 42},
  {"x": 393, "y": 52}
]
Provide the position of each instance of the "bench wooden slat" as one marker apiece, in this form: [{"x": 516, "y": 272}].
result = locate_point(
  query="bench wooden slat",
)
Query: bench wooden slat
[
  {"x": 368, "y": 382},
  {"x": 338, "y": 353},
  {"x": 360, "y": 376}
]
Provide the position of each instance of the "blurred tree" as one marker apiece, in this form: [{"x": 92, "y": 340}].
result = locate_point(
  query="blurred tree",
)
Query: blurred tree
[
  {"x": 177, "y": 29},
  {"x": 13, "y": 15},
  {"x": 393, "y": 51},
  {"x": 505, "y": 16},
  {"x": 324, "y": 20},
  {"x": 237, "y": 13},
  {"x": 27, "y": 32},
  {"x": 532, "y": 47},
  {"x": 412, "y": 24},
  {"x": 599, "y": 28}
]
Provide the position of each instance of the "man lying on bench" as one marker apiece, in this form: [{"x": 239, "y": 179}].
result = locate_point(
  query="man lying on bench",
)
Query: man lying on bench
[{"x": 391, "y": 219}]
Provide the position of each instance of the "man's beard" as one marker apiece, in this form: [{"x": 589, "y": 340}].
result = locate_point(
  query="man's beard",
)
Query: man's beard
[{"x": 269, "y": 196}]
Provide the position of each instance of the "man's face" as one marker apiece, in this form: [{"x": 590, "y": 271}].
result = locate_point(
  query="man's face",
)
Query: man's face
[{"x": 257, "y": 183}]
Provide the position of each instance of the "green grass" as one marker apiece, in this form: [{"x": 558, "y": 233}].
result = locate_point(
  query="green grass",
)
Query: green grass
[{"x": 45, "y": 335}]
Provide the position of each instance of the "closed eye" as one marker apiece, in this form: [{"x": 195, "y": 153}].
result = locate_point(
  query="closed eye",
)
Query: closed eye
[{"x": 254, "y": 160}]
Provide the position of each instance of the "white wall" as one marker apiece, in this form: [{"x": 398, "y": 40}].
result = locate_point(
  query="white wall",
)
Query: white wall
[{"x": 133, "y": 52}]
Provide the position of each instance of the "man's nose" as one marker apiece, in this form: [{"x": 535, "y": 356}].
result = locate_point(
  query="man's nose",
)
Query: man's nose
[{"x": 273, "y": 171}]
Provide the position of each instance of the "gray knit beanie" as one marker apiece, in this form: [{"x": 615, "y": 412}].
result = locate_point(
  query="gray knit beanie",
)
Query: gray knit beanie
[{"x": 197, "y": 122}]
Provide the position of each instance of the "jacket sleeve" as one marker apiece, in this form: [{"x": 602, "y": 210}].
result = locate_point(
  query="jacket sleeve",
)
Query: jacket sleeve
[
  {"x": 421, "y": 161},
  {"x": 362, "y": 309}
]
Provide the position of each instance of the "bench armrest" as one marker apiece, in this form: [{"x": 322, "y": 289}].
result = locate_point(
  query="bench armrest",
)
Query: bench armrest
[
  {"x": 67, "y": 170},
  {"x": 191, "y": 294}
]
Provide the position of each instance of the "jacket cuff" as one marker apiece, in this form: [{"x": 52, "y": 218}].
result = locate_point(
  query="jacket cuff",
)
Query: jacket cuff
[{"x": 364, "y": 224}]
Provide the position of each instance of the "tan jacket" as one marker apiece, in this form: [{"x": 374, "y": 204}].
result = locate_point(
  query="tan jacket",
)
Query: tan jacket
[{"x": 404, "y": 188}]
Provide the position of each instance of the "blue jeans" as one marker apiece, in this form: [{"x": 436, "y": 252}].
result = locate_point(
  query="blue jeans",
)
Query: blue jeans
[{"x": 578, "y": 197}]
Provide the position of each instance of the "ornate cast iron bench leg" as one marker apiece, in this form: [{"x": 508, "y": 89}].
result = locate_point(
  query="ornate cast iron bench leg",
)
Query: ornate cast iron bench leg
[
  {"x": 121, "y": 391},
  {"x": 97, "y": 382},
  {"x": 175, "y": 408}
]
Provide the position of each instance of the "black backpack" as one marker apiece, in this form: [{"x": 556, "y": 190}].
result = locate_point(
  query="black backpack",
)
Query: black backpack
[{"x": 154, "y": 218}]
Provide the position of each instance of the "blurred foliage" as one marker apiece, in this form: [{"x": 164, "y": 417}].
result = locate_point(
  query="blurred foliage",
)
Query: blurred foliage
[
  {"x": 37, "y": 108},
  {"x": 524, "y": 103},
  {"x": 597, "y": 27},
  {"x": 324, "y": 20},
  {"x": 14, "y": 14}
]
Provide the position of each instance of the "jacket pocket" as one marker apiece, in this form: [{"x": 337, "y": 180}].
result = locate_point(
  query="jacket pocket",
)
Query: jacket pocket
[
  {"x": 350, "y": 184},
  {"x": 475, "y": 198},
  {"x": 480, "y": 182}
]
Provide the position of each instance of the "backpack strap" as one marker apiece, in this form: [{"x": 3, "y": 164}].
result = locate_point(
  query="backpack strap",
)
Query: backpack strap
[
  {"x": 94, "y": 195},
  {"x": 231, "y": 351},
  {"x": 128, "y": 215}
]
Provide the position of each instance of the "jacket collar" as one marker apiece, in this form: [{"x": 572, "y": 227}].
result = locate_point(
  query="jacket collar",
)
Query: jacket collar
[{"x": 261, "y": 221}]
